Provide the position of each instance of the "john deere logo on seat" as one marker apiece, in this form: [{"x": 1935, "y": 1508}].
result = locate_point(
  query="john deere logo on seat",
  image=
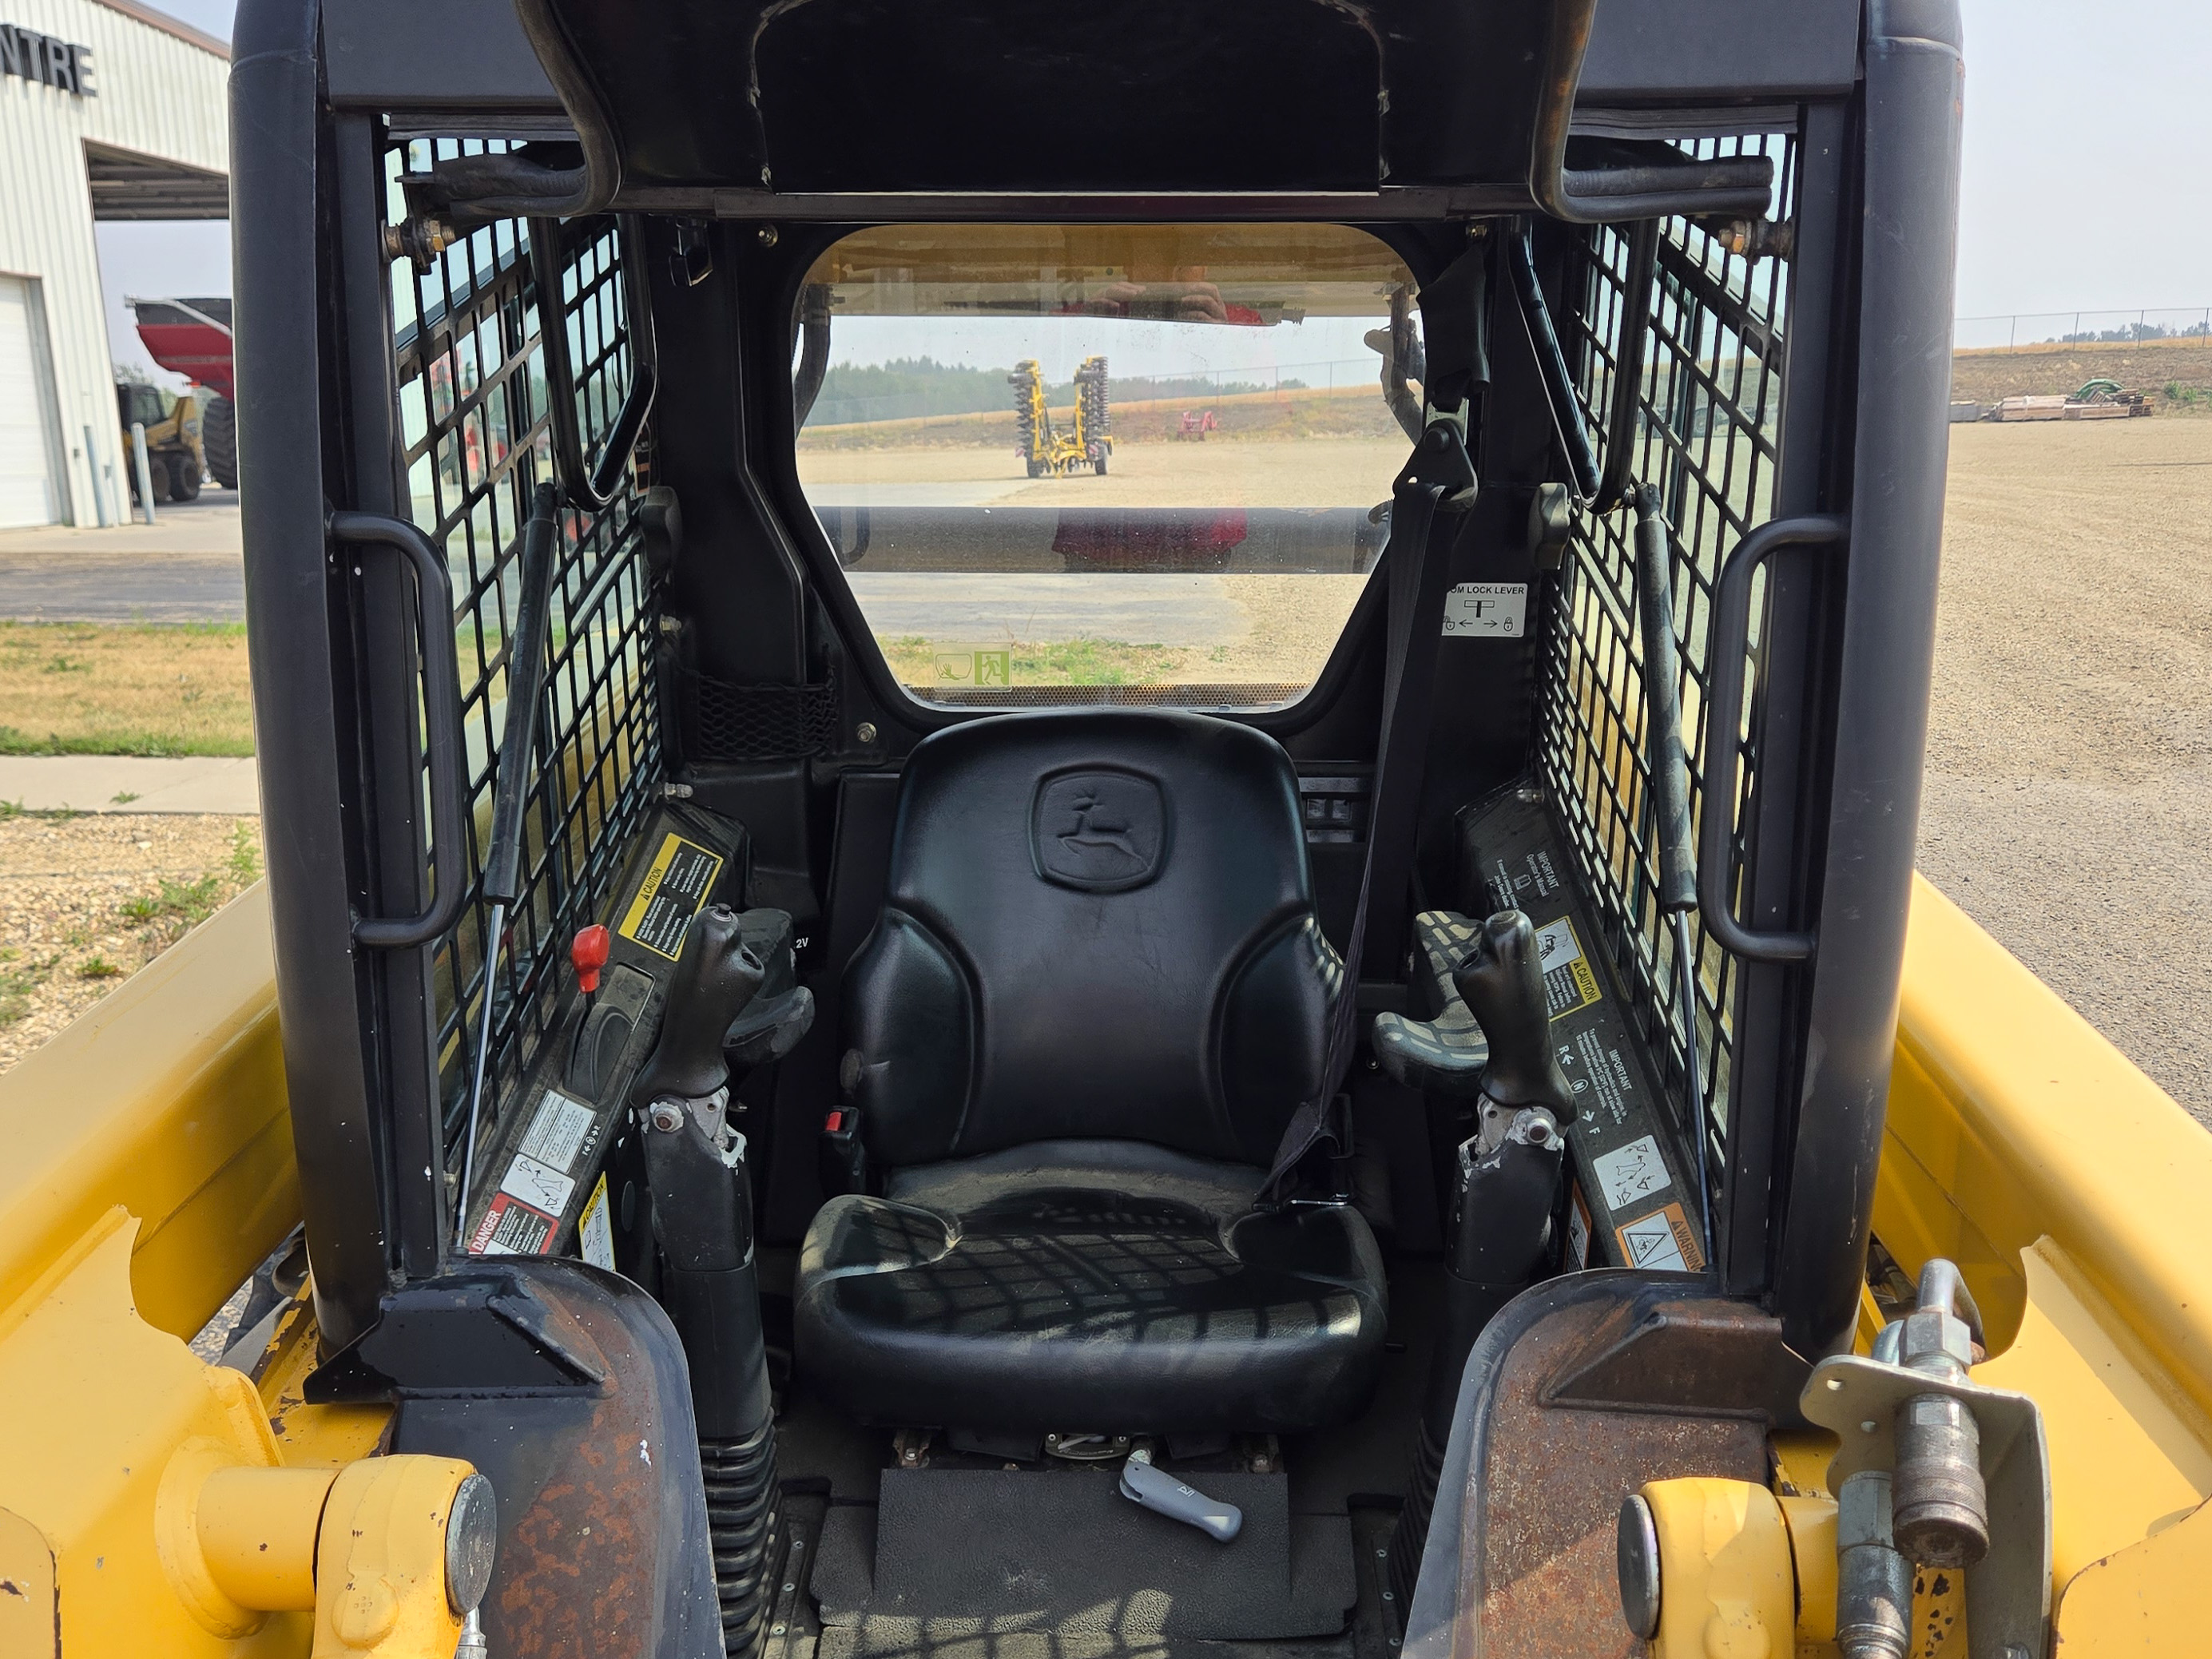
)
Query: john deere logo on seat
[{"x": 1098, "y": 831}]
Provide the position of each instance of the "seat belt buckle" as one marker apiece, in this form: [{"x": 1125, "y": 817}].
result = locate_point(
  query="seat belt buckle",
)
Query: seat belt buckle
[{"x": 842, "y": 1156}]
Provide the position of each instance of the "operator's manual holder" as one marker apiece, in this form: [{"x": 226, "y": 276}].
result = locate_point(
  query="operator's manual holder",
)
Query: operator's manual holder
[
  {"x": 1630, "y": 1202},
  {"x": 551, "y": 1181}
]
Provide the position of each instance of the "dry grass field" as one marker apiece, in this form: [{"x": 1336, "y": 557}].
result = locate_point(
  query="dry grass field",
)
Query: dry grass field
[{"x": 151, "y": 688}]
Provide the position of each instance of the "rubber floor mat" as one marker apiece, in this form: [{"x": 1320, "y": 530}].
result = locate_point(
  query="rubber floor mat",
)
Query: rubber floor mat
[{"x": 1063, "y": 1552}]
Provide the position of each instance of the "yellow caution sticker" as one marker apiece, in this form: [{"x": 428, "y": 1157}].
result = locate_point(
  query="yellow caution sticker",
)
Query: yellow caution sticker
[
  {"x": 1570, "y": 983},
  {"x": 595, "y": 1233},
  {"x": 673, "y": 892}
]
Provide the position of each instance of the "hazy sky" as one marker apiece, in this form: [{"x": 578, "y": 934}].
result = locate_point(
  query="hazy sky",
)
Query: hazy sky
[{"x": 2087, "y": 183}]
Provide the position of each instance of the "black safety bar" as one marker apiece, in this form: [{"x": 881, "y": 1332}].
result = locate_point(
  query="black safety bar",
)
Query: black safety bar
[
  {"x": 1730, "y": 644},
  {"x": 590, "y": 486},
  {"x": 441, "y": 739}
]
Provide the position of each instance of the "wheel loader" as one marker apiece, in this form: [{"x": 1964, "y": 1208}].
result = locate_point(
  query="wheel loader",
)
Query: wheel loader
[
  {"x": 747, "y": 1121},
  {"x": 176, "y": 454}
]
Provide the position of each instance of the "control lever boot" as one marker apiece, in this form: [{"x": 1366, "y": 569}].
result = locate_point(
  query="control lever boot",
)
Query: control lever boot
[
  {"x": 715, "y": 977},
  {"x": 1502, "y": 982}
]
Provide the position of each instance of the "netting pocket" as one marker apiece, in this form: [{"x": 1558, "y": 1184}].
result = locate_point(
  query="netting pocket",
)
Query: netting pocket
[{"x": 726, "y": 721}]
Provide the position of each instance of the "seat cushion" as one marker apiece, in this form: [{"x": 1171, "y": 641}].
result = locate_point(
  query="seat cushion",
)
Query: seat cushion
[{"x": 1130, "y": 1291}]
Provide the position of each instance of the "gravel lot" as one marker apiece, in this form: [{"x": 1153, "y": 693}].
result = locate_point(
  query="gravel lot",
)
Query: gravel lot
[
  {"x": 2069, "y": 788},
  {"x": 87, "y": 901}
]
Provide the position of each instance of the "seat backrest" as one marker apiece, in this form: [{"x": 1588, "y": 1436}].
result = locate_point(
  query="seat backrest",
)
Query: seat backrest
[{"x": 1097, "y": 924}]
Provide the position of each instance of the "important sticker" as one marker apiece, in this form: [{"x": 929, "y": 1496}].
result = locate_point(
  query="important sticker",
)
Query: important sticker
[
  {"x": 673, "y": 889},
  {"x": 1498, "y": 611},
  {"x": 556, "y": 1133},
  {"x": 538, "y": 1185},
  {"x": 1627, "y": 1175},
  {"x": 1661, "y": 1241},
  {"x": 1569, "y": 981},
  {"x": 595, "y": 1233},
  {"x": 512, "y": 1228}
]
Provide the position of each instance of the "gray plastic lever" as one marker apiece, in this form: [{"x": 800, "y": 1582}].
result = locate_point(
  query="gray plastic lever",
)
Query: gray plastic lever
[{"x": 1164, "y": 1494}]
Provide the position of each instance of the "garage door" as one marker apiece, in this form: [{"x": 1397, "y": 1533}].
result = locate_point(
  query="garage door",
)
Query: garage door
[{"x": 27, "y": 491}]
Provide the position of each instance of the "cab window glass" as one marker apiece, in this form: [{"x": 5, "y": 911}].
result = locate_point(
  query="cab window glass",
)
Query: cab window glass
[{"x": 1105, "y": 462}]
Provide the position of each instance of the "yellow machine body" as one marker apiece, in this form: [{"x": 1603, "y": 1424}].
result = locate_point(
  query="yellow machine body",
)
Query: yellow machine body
[{"x": 150, "y": 1170}]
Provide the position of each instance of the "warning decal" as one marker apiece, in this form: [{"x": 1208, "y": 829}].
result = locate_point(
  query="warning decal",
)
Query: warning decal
[
  {"x": 1631, "y": 1172},
  {"x": 595, "y": 1234},
  {"x": 1578, "y": 1226},
  {"x": 538, "y": 1185},
  {"x": 1661, "y": 1241},
  {"x": 512, "y": 1228},
  {"x": 682, "y": 876},
  {"x": 1568, "y": 981}
]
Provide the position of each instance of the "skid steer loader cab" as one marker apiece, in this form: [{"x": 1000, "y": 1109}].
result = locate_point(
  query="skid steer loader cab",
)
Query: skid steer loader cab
[{"x": 915, "y": 1015}]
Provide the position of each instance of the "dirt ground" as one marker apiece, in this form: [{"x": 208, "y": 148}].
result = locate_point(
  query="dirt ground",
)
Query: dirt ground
[
  {"x": 2175, "y": 374},
  {"x": 85, "y": 902},
  {"x": 2069, "y": 786}
]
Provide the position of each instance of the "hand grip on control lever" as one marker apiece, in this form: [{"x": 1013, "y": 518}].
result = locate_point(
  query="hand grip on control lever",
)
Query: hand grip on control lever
[
  {"x": 1502, "y": 984},
  {"x": 715, "y": 977}
]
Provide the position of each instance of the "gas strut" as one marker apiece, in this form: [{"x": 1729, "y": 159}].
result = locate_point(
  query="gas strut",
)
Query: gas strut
[
  {"x": 503, "y": 870},
  {"x": 1670, "y": 802}
]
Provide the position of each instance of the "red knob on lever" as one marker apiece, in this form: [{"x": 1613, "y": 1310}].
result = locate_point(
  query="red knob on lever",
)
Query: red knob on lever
[{"x": 588, "y": 951}]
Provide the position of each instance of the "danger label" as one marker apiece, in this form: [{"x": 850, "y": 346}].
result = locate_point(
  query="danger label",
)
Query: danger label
[
  {"x": 1569, "y": 981},
  {"x": 512, "y": 1228},
  {"x": 674, "y": 888},
  {"x": 1661, "y": 1241},
  {"x": 1579, "y": 1227}
]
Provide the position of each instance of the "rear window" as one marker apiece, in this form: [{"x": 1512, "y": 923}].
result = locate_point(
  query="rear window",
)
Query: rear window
[{"x": 1104, "y": 463}]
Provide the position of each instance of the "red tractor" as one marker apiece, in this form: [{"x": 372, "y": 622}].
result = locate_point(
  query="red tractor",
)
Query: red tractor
[
  {"x": 1195, "y": 424},
  {"x": 192, "y": 337}
]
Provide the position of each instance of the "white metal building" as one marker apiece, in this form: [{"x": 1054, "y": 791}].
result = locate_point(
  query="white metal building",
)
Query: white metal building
[{"x": 108, "y": 110}]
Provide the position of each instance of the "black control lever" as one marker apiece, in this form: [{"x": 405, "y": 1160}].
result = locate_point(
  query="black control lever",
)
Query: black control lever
[
  {"x": 703, "y": 1220},
  {"x": 715, "y": 977},
  {"x": 1502, "y": 982}
]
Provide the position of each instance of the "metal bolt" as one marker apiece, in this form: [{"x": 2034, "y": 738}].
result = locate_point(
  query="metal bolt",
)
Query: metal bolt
[
  {"x": 675, "y": 792},
  {"x": 787, "y": 1589},
  {"x": 1390, "y": 1595},
  {"x": 866, "y": 731},
  {"x": 1382, "y": 1555},
  {"x": 667, "y": 1116},
  {"x": 778, "y": 1631},
  {"x": 767, "y": 235}
]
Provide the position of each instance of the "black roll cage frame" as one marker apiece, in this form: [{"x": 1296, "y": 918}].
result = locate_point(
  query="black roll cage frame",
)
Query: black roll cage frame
[{"x": 1840, "y": 706}]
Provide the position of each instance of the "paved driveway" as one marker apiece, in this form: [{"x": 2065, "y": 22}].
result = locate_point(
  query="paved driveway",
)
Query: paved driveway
[{"x": 184, "y": 567}]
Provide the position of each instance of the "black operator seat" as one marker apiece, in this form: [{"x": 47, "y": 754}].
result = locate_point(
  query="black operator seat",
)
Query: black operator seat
[{"x": 1095, "y": 993}]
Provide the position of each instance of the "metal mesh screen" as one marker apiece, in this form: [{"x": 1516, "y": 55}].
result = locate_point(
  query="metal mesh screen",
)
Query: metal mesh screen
[
  {"x": 474, "y": 432},
  {"x": 1708, "y": 395}
]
